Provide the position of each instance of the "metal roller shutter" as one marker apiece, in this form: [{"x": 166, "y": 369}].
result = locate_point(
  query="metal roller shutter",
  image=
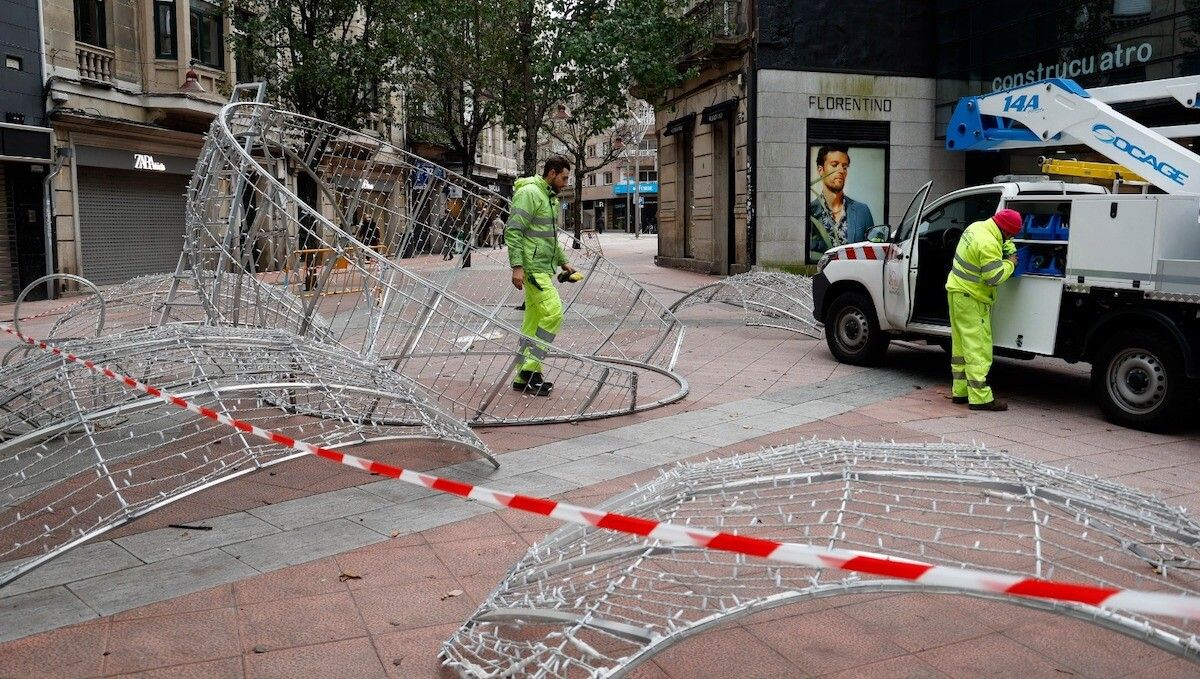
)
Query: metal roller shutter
[{"x": 130, "y": 223}]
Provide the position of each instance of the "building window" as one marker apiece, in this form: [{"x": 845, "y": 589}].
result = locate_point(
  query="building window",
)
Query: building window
[
  {"x": 607, "y": 178},
  {"x": 591, "y": 180},
  {"x": 164, "y": 30},
  {"x": 591, "y": 151},
  {"x": 208, "y": 38},
  {"x": 90, "y": 22},
  {"x": 647, "y": 176}
]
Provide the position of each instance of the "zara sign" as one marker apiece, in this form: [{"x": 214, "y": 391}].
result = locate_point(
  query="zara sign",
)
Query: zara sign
[{"x": 144, "y": 161}]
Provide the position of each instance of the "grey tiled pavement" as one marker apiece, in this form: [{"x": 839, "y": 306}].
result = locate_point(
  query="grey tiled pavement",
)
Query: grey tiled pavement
[
  {"x": 110, "y": 576},
  {"x": 749, "y": 388}
]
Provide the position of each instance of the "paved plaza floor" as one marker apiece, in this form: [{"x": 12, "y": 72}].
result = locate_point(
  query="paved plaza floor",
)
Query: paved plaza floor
[{"x": 316, "y": 570}]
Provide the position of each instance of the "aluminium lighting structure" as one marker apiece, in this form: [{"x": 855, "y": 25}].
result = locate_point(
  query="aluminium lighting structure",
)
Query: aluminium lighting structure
[
  {"x": 586, "y": 602},
  {"x": 769, "y": 299},
  {"x": 80, "y": 455},
  {"x": 380, "y": 246},
  {"x": 332, "y": 318}
]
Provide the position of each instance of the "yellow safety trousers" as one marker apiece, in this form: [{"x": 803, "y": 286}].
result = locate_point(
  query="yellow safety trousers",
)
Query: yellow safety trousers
[
  {"x": 543, "y": 318},
  {"x": 970, "y": 347}
]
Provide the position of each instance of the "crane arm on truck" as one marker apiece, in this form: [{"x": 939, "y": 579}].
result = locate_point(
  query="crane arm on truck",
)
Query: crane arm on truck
[{"x": 1058, "y": 111}]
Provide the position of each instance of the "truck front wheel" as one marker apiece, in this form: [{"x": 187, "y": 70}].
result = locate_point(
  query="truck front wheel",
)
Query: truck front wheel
[
  {"x": 852, "y": 331},
  {"x": 1138, "y": 379}
]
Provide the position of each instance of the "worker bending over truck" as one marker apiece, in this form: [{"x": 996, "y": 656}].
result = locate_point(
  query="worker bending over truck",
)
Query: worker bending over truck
[{"x": 985, "y": 258}]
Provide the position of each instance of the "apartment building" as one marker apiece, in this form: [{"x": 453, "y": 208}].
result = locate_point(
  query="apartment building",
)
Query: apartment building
[
  {"x": 703, "y": 144},
  {"x": 611, "y": 199},
  {"x": 132, "y": 86},
  {"x": 25, "y": 149}
]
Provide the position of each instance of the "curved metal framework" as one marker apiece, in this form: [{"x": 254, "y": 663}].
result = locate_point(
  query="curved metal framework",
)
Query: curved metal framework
[
  {"x": 769, "y": 299},
  {"x": 332, "y": 287},
  {"x": 587, "y": 602},
  {"x": 386, "y": 251},
  {"x": 80, "y": 455}
]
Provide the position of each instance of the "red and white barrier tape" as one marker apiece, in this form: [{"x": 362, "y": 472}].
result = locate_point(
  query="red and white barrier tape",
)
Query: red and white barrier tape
[{"x": 1155, "y": 603}]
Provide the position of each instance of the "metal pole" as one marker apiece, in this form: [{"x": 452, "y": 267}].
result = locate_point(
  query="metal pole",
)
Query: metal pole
[
  {"x": 48, "y": 218},
  {"x": 637, "y": 185}
]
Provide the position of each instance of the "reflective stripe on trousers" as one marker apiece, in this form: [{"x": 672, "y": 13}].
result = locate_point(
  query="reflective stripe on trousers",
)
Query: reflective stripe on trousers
[
  {"x": 543, "y": 318},
  {"x": 970, "y": 347}
]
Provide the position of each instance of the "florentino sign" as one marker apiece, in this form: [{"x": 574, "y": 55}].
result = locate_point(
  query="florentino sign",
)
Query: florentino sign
[{"x": 830, "y": 102}]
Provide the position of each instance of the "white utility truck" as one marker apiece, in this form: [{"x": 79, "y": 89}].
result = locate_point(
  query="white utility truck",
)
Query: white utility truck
[{"x": 1107, "y": 278}]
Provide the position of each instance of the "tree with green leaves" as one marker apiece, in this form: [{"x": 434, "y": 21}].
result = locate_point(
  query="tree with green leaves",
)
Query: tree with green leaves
[
  {"x": 337, "y": 60},
  {"x": 588, "y": 54},
  {"x": 462, "y": 48}
]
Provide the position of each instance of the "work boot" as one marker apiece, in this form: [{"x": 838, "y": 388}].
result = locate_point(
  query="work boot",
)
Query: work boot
[
  {"x": 531, "y": 383},
  {"x": 994, "y": 405},
  {"x": 959, "y": 400}
]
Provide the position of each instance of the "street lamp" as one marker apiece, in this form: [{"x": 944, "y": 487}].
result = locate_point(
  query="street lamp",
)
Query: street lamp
[{"x": 640, "y": 121}]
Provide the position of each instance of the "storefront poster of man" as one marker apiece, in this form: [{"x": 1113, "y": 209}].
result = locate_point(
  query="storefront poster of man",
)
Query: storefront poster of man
[{"x": 836, "y": 218}]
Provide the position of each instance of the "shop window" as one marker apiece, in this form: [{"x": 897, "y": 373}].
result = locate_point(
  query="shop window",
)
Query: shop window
[
  {"x": 164, "y": 30},
  {"x": 208, "y": 38},
  {"x": 90, "y": 22}
]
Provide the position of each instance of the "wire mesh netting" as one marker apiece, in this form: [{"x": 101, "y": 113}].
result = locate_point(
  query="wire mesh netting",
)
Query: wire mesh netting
[
  {"x": 587, "y": 602},
  {"x": 80, "y": 453},
  {"x": 769, "y": 299},
  {"x": 331, "y": 286},
  {"x": 391, "y": 263}
]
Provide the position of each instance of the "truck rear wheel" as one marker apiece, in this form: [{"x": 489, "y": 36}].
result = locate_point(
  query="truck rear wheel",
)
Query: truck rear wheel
[
  {"x": 1138, "y": 379},
  {"x": 852, "y": 331}
]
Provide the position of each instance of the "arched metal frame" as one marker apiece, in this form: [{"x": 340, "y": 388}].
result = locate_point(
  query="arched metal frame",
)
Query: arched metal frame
[
  {"x": 80, "y": 454},
  {"x": 769, "y": 299},
  {"x": 399, "y": 275},
  {"x": 597, "y": 603},
  {"x": 333, "y": 318}
]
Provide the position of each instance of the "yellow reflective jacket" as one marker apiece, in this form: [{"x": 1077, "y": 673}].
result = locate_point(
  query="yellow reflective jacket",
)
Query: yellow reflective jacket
[
  {"x": 530, "y": 235},
  {"x": 979, "y": 262}
]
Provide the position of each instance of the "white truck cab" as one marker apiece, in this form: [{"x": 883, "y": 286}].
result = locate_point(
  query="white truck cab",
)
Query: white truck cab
[{"x": 1110, "y": 279}]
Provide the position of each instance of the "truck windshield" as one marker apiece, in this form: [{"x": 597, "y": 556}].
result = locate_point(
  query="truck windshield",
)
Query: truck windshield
[{"x": 910, "y": 216}]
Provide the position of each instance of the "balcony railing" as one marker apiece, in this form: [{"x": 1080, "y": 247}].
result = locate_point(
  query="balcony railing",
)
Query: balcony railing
[
  {"x": 95, "y": 63},
  {"x": 718, "y": 20}
]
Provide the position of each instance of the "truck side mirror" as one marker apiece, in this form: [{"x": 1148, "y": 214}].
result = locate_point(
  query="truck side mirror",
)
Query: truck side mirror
[{"x": 879, "y": 234}]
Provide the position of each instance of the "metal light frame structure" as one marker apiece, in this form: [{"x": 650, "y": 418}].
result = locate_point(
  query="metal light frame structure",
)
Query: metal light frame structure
[
  {"x": 383, "y": 254},
  {"x": 769, "y": 299},
  {"x": 586, "y": 602},
  {"x": 80, "y": 455},
  {"x": 334, "y": 318}
]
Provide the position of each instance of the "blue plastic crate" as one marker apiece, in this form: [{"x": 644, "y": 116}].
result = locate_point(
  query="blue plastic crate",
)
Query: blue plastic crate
[
  {"x": 1062, "y": 229},
  {"x": 1045, "y": 264},
  {"x": 1023, "y": 256},
  {"x": 1040, "y": 227}
]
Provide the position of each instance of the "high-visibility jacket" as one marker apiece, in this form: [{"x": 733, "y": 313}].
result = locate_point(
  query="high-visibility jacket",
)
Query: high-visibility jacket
[
  {"x": 530, "y": 235},
  {"x": 979, "y": 262}
]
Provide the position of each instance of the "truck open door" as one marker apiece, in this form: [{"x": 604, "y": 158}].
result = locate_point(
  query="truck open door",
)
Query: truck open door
[{"x": 898, "y": 272}]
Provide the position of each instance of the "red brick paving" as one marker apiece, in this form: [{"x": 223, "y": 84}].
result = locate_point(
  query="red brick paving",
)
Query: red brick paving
[{"x": 308, "y": 621}]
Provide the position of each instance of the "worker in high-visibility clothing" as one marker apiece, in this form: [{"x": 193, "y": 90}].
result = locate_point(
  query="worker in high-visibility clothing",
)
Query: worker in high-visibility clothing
[
  {"x": 985, "y": 258},
  {"x": 534, "y": 253}
]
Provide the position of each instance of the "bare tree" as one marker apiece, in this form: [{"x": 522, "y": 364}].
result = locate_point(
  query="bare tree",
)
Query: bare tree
[{"x": 590, "y": 149}]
